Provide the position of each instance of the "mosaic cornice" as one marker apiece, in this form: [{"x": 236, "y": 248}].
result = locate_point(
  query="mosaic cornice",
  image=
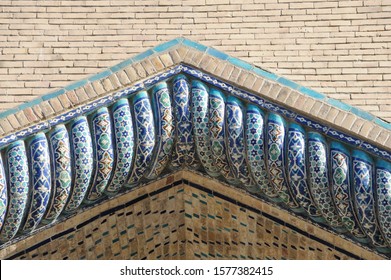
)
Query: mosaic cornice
[{"x": 180, "y": 106}]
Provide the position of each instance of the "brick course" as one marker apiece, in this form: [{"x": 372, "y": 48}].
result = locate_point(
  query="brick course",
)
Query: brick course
[{"x": 341, "y": 48}]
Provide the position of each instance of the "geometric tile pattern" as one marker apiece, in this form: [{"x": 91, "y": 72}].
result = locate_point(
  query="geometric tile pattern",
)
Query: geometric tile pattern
[{"x": 182, "y": 122}]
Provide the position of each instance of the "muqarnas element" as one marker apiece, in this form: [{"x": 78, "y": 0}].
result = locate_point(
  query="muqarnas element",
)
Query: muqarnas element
[
  {"x": 184, "y": 148},
  {"x": 363, "y": 169},
  {"x": 103, "y": 154},
  {"x": 235, "y": 125},
  {"x": 162, "y": 109},
  {"x": 82, "y": 162},
  {"x": 40, "y": 181},
  {"x": 276, "y": 162},
  {"x": 200, "y": 102},
  {"x": 319, "y": 180},
  {"x": 60, "y": 152},
  {"x": 145, "y": 136},
  {"x": 18, "y": 174},
  {"x": 124, "y": 145},
  {"x": 297, "y": 171},
  {"x": 218, "y": 134}
]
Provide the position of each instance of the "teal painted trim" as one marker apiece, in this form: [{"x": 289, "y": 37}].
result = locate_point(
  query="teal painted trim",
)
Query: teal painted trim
[
  {"x": 265, "y": 74},
  {"x": 53, "y": 94},
  {"x": 121, "y": 65},
  {"x": 32, "y": 103},
  {"x": 339, "y": 104},
  {"x": 100, "y": 75},
  {"x": 217, "y": 54},
  {"x": 288, "y": 83},
  {"x": 8, "y": 112},
  {"x": 143, "y": 55},
  {"x": 194, "y": 45},
  {"x": 383, "y": 124},
  {"x": 76, "y": 85},
  {"x": 167, "y": 45},
  {"x": 362, "y": 114},
  {"x": 240, "y": 63},
  {"x": 312, "y": 93}
]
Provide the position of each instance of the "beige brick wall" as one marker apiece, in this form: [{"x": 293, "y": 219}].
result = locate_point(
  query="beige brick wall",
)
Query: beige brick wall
[{"x": 341, "y": 48}]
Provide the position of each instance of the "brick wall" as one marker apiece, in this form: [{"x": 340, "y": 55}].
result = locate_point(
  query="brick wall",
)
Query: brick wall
[{"x": 341, "y": 48}]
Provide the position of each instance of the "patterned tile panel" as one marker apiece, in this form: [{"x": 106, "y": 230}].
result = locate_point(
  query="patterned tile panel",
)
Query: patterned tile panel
[
  {"x": 3, "y": 194},
  {"x": 383, "y": 186}
]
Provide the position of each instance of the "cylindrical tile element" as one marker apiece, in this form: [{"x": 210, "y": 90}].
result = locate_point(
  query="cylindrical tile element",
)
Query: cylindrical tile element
[
  {"x": 383, "y": 188},
  {"x": 184, "y": 148},
  {"x": 236, "y": 143},
  {"x": 124, "y": 145},
  {"x": 144, "y": 138},
  {"x": 103, "y": 154},
  {"x": 297, "y": 172},
  {"x": 255, "y": 149},
  {"x": 40, "y": 181},
  {"x": 319, "y": 180},
  {"x": 3, "y": 193},
  {"x": 276, "y": 162},
  {"x": 363, "y": 172},
  {"x": 164, "y": 125},
  {"x": 18, "y": 181},
  {"x": 82, "y": 162},
  {"x": 218, "y": 133},
  {"x": 342, "y": 190},
  {"x": 200, "y": 102},
  {"x": 60, "y": 152}
]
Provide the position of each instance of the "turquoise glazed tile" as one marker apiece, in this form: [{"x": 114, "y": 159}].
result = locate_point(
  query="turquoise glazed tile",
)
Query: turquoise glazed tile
[
  {"x": 124, "y": 145},
  {"x": 164, "y": 125},
  {"x": 312, "y": 93},
  {"x": 60, "y": 152},
  {"x": 216, "y": 53},
  {"x": 200, "y": 101},
  {"x": 18, "y": 174},
  {"x": 276, "y": 162},
  {"x": 165, "y": 46},
  {"x": 218, "y": 134},
  {"x": 363, "y": 172},
  {"x": 255, "y": 147},
  {"x": 145, "y": 136},
  {"x": 235, "y": 123},
  {"x": 194, "y": 45},
  {"x": 103, "y": 154},
  {"x": 3, "y": 194},
  {"x": 40, "y": 181},
  {"x": 297, "y": 171},
  {"x": 319, "y": 180},
  {"x": 184, "y": 150},
  {"x": 82, "y": 162},
  {"x": 383, "y": 187},
  {"x": 342, "y": 190}
]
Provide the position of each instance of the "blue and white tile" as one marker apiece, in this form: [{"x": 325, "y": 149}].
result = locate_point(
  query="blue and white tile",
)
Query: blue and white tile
[
  {"x": 184, "y": 154},
  {"x": 103, "y": 154},
  {"x": 237, "y": 155},
  {"x": 40, "y": 181},
  {"x": 60, "y": 152},
  {"x": 200, "y": 102},
  {"x": 276, "y": 161},
  {"x": 255, "y": 149},
  {"x": 3, "y": 193},
  {"x": 144, "y": 136},
  {"x": 18, "y": 174},
  {"x": 319, "y": 180},
  {"x": 218, "y": 134},
  {"x": 342, "y": 190},
  {"x": 124, "y": 145},
  {"x": 383, "y": 188},
  {"x": 363, "y": 172},
  {"x": 82, "y": 162},
  {"x": 297, "y": 172},
  {"x": 161, "y": 105}
]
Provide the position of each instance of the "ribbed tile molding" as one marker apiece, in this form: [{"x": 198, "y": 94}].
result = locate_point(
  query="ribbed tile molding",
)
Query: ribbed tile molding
[{"x": 184, "y": 118}]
